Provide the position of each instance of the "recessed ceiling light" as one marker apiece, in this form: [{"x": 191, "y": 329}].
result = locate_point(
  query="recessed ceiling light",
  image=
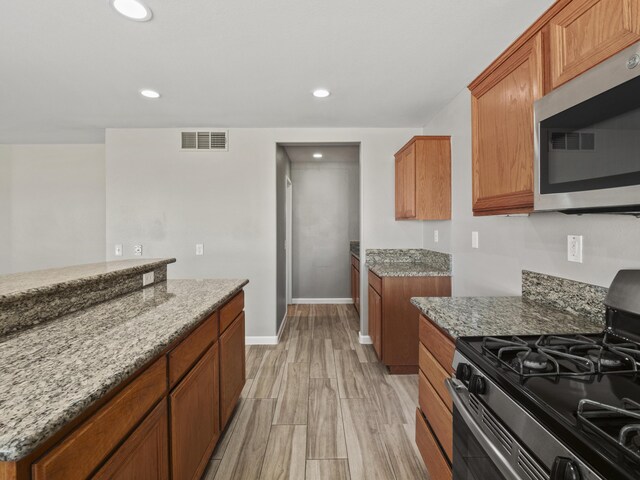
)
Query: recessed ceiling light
[
  {"x": 149, "y": 93},
  {"x": 317, "y": 155},
  {"x": 132, "y": 9},
  {"x": 321, "y": 93}
]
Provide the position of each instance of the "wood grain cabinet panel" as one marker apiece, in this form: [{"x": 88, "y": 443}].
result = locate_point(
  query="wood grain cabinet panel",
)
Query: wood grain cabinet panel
[
  {"x": 502, "y": 132},
  {"x": 90, "y": 444},
  {"x": 375, "y": 320},
  {"x": 439, "y": 344},
  {"x": 355, "y": 282},
  {"x": 145, "y": 454},
  {"x": 195, "y": 421},
  {"x": 231, "y": 310},
  {"x": 586, "y": 32},
  {"x": 435, "y": 461},
  {"x": 189, "y": 350},
  {"x": 436, "y": 413},
  {"x": 423, "y": 179},
  {"x": 436, "y": 375},
  {"x": 232, "y": 368}
]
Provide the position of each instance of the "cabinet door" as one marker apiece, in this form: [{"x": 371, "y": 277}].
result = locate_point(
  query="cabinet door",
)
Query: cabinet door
[
  {"x": 357, "y": 290},
  {"x": 400, "y": 202},
  {"x": 144, "y": 455},
  {"x": 502, "y": 123},
  {"x": 232, "y": 373},
  {"x": 375, "y": 320},
  {"x": 586, "y": 32},
  {"x": 353, "y": 284},
  {"x": 195, "y": 424}
]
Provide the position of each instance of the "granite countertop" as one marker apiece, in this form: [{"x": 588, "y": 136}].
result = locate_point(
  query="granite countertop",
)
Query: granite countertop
[
  {"x": 492, "y": 316},
  {"x": 16, "y": 285},
  {"x": 52, "y": 372},
  {"x": 407, "y": 269}
]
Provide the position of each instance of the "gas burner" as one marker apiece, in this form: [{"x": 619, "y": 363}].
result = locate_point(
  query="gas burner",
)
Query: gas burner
[
  {"x": 618, "y": 426},
  {"x": 604, "y": 358},
  {"x": 533, "y": 361}
]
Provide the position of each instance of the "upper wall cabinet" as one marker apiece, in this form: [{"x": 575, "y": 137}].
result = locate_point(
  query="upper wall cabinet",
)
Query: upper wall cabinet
[
  {"x": 502, "y": 123},
  {"x": 423, "y": 179},
  {"x": 586, "y": 32}
]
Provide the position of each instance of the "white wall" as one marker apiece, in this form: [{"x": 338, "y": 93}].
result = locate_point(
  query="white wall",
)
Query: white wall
[
  {"x": 326, "y": 216},
  {"x": 5, "y": 209},
  {"x": 168, "y": 201},
  {"x": 283, "y": 173},
  {"x": 57, "y": 203},
  {"x": 510, "y": 244}
]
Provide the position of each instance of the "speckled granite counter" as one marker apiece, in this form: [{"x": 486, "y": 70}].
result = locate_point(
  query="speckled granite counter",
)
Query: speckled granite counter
[
  {"x": 490, "y": 316},
  {"x": 354, "y": 248},
  {"x": 408, "y": 262},
  {"x": 52, "y": 372}
]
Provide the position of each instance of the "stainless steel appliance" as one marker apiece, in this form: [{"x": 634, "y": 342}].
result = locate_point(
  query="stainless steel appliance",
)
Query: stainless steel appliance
[
  {"x": 587, "y": 140},
  {"x": 553, "y": 407}
]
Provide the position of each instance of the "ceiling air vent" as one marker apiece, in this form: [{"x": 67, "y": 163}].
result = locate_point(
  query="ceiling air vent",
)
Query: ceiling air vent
[{"x": 205, "y": 141}]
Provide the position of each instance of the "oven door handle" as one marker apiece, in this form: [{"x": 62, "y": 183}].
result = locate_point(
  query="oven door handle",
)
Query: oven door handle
[{"x": 456, "y": 389}]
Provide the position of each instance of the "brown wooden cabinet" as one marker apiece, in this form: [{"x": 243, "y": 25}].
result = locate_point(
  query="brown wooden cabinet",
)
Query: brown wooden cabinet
[
  {"x": 393, "y": 320},
  {"x": 502, "y": 123},
  {"x": 375, "y": 320},
  {"x": 232, "y": 368},
  {"x": 195, "y": 418},
  {"x": 145, "y": 454},
  {"x": 192, "y": 386},
  {"x": 355, "y": 282},
  {"x": 434, "y": 428},
  {"x": 586, "y": 32},
  {"x": 423, "y": 179}
]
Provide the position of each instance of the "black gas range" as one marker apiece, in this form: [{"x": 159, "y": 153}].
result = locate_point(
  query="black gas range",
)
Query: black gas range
[{"x": 559, "y": 407}]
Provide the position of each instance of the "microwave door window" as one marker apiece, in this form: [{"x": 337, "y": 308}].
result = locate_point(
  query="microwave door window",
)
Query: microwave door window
[{"x": 593, "y": 145}]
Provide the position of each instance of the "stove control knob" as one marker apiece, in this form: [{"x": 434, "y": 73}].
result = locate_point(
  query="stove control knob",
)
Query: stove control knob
[
  {"x": 463, "y": 372},
  {"x": 477, "y": 385},
  {"x": 564, "y": 469}
]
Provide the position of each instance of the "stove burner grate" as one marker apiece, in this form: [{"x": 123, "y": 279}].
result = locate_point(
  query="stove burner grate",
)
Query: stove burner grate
[{"x": 605, "y": 420}]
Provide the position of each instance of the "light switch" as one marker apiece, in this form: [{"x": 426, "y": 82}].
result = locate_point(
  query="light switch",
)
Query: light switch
[
  {"x": 118, "y": 250},
  {"x": 474, "y": 239},
  {"x": 199, "y": 248}
]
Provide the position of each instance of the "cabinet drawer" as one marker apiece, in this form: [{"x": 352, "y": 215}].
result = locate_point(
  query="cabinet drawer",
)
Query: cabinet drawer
[
  {"x": 375, "y": 282},
  {"x": 433, "y": 457},
  {"x": 145, "y": 454},
  {"x": 435, "y": 374},
  {"x": 189, "y": 350},
  {"x": 439, "y": 344},
  {"x": 231, "y": 310},
  {"x": 437, "y": 414},
  {"x": 84, "y": 449}
]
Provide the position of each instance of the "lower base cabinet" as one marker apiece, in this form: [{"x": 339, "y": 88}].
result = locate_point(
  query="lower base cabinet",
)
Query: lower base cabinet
[
  {"x": 438, "y": 467},
  {"x": 145, "y": 454},
  {"x": 195, "y": 418},
  {"x": 232, "y": 372}
]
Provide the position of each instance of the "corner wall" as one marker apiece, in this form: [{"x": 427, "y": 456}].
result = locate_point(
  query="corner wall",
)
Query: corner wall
[{"x": 507, "y": 245}]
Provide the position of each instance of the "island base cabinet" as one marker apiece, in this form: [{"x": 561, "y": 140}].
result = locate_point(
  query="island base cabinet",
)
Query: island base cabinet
[
  {"x": 195, "y": 422},
  {"x": 145, "y": 454},
  {"x": 232, "y": 373}
]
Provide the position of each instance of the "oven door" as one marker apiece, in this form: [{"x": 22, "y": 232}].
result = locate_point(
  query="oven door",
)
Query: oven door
[{"x": 483, "y": 448}]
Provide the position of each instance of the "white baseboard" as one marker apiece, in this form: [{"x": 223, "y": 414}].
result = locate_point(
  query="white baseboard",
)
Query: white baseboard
[
  {"x": 321, "y": 301},
  {"x": 365, "y": 339},
  {"x": 261, "y": 340}
]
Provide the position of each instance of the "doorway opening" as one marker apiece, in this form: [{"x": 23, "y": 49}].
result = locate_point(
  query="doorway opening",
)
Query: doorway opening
[{"x": 318, "y": 222}]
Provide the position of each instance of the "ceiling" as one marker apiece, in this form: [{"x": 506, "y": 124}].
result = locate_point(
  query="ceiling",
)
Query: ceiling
[
  {"x": 303, "y": 153},
  {"x": 71, "y": 68}
]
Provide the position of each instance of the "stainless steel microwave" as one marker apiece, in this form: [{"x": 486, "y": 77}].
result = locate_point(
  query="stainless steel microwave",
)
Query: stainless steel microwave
[{"x": 587, "y": 140}]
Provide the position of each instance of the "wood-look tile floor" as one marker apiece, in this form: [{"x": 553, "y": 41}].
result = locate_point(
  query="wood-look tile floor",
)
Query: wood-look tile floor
[{"x": 320, "y": 406}]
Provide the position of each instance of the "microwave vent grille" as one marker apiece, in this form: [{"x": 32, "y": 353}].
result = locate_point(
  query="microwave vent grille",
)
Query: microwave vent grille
[{"x": 572, "y": 141}]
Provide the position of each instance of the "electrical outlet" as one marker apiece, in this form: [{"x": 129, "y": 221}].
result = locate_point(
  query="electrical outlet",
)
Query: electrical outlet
[
  {"x": 137, "y": 250},
  {"x": 574, "y": 248},
  {"x": 118, "y": 250},
  {"x": 147, "y": 278},
  {"x": 199, "y": 248},
  {"x": 435, "y": 236},
  {"x": 474, "y": 240}
]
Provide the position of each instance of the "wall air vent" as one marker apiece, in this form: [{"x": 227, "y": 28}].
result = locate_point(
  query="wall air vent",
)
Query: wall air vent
[
  {"x": 205, "y": 141},
  {"x": 572, "y": 141}
]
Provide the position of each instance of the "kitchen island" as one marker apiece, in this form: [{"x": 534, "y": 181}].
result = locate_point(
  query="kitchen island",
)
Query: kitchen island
[{"x": 81, "y": 390}]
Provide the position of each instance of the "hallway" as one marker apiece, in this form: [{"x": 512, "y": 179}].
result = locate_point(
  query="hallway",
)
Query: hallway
[{"x": 320, "y": 406}]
